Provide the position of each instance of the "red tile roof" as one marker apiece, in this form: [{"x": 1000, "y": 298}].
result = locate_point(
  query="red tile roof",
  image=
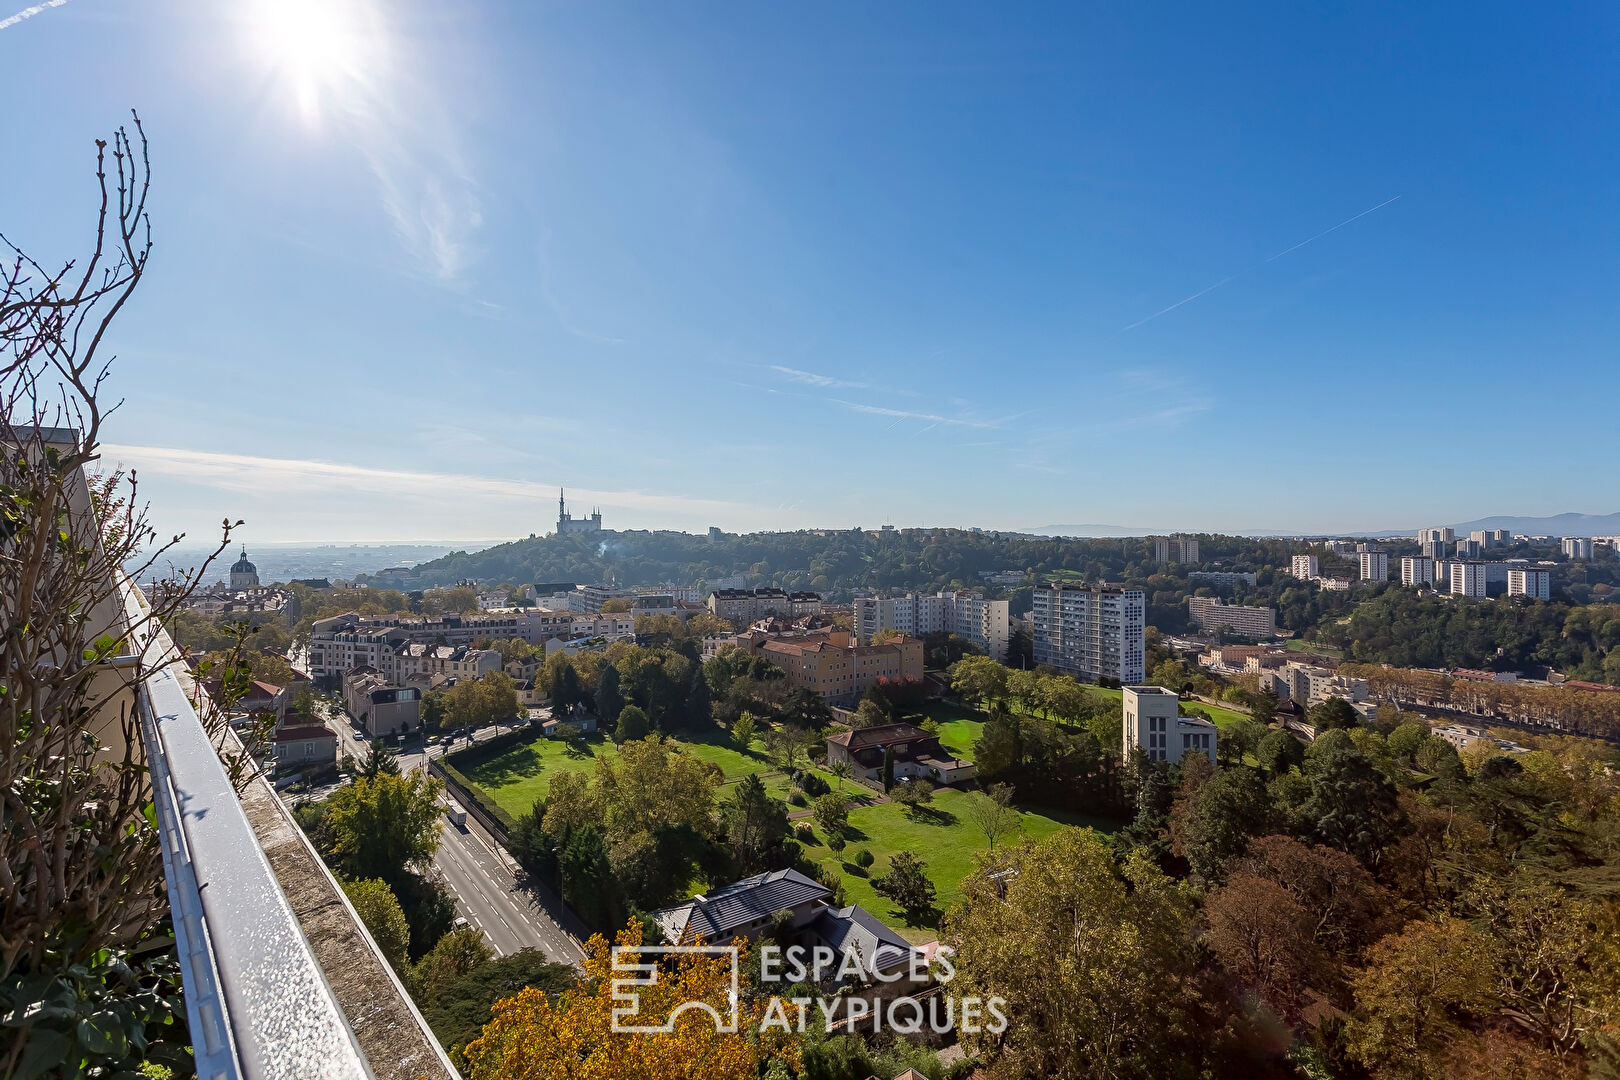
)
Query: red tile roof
[{"x": 311, "y": 731}]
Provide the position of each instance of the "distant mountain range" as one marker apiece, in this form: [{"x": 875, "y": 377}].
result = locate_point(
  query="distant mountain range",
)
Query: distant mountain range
[{"x": 1557, "y": 525}]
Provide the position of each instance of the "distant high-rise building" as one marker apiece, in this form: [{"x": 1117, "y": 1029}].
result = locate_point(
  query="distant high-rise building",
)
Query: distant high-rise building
[
  {"x": 1467, "y": 578},
  {"x": 1577, "y": 547},
  {"x": 1176, "y": 549},
  {"x": 1530, "y": 581},
  {"x": 986, "y": 623},
  {"x": 1307, "y": 567},
  {"x": 1091, "y": 632},
  {"x": 1468, "y": 548},
  {"x": 1208, "y": 613},
  {"x": 1417, "y": 570},
  {"x": 1435, "y": 543},
  {"x": 1374, "y": 566}
]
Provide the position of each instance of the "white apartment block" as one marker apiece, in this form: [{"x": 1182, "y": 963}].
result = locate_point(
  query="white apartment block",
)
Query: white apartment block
[
  {"x": 345, "y": 642},
  {"x": 744, "y": 606},
  {"x": 1466, "y": 578},
  {"x": 1307, "y": 567},
  {"x": 986, "y": 623},
  {"x": 1577, "y": 547},
  {"x": 1222, "y": 579},
  {"x": 1153, "y": 721},
  {"x": 1417, "y": 570},
  {"x": 1091, "y": 632},
  {"x": 1531, "y": 582},
  {"x": 1208, "y": 613},
  {"x": 1176, "y": 549},
  {"x": 1436, "y": 543},
  {"x": 1374, "y": 566}
]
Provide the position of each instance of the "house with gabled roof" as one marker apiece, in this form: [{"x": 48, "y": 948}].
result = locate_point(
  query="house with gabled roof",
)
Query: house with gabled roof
[{"x": 916, "y": 753}]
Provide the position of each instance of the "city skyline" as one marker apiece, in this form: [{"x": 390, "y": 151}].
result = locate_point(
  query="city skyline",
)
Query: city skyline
[{"x": 1247, "y": 272}]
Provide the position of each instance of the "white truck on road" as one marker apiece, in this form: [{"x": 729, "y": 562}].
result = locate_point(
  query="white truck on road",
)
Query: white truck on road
[{"x": 457, "y": 816}]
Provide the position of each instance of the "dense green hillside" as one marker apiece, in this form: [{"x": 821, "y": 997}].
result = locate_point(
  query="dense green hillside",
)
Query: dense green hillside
[{"x": 841, "y": 563}]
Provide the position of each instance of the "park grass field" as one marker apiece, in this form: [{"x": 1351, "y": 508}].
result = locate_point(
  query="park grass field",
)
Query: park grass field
[
  {"x": 944, "y": 838},
  {"x": 516, "y": 778}
]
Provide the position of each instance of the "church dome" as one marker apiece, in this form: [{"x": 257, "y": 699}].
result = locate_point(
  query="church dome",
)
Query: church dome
[{"x": 243, "y": 566}]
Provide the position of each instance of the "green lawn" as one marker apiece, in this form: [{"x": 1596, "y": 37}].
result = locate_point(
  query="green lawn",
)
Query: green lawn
[
  {"x": 945, "y": 839},
  {"x": 516, "y": 778},
  {"x": 1301, "y": 645}
]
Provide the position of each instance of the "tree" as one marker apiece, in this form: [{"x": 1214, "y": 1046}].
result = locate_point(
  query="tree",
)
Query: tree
[
  {"x": 378, "y": 908},
  {"x": 908, "y": 886},
  {"x": 1278, "y": 752},
  {"x": 1095, "y": 962},
  {"x": 888, "y": 768},
  {"x": 1261, "y": 934},
  {"x": 379, "y": 760},
  {"x": 473, "y": 703},
  {"x": 1217, "y": 821},
  {"x": 832, "y": 815},
  {"x": 608, "y": 699},
  {"x": 1417, "y": 990},
  {"x": 565, "y": 690},
  {"x": 842, "y": 770},
  {"x": 869, "y": 714},
  {"x": 999, "y": 748},
  {"x": 992, "y": 811},
  {"x": 587, "y": 878},
  {"x": 632, "y": 724},
  {"x": 384, "y": 826},
  {"x": 980, "y": 680},
  {"x": 1351, "y": 806},
  {"x": 452, "y": 956},
  {"x": 1263, "y": 706},
  {"x": 755, "y": 824},
  {"x": 1334, "y": 714},
  {"x": 462, "y": 1006},
  {"x": 534, "y": 1035},
  {"x": 913, "y": 794},
  {"x": 699, "y": 703},
  {"x": 742, "y": 732}
]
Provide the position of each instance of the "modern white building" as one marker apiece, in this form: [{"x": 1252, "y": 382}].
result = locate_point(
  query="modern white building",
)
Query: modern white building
[
  {"x": 1436, "y": 543},
  {"x": 1575, "y": 547},
  {"x": 1093, "y": 633},
  {"x": 1374, "y": 566},
  {"x": 1307, "y": 567},
  {"x": 1467, "y": 578},
  {"x": 1417, "y": 570},
  {"x": 1531, "y": 582},
  {"x": 1153, "y": 721},
  {"x": 986, "y": 623},
  {"x": 1208, "y": 613}
]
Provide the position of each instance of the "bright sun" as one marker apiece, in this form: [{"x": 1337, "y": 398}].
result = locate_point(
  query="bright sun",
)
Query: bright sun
[{"x": 315, "y": 45}]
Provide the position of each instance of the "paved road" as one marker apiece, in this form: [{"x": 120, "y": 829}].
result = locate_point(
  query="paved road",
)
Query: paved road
[
  {"x": 480, "y": 875},
  {"x": 488, "y": 894}
]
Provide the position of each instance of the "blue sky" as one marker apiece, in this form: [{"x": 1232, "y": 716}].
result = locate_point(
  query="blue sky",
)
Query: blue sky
[{"x": 765, "y": 265}]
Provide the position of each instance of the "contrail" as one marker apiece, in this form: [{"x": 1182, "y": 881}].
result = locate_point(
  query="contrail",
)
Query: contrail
[
  {"x": 1335, "y": 228},
  {"x": 29, "y": 13},
  {"x": 1274, "y": 258},
  {"x": 1178, "y": 303}
]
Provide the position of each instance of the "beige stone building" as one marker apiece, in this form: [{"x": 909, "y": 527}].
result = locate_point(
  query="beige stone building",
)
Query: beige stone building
[{"x": 832, "y": 664}]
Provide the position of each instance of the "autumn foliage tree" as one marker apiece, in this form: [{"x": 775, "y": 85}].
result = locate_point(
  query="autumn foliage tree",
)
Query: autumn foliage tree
[{"x": 534, "y": 1036}]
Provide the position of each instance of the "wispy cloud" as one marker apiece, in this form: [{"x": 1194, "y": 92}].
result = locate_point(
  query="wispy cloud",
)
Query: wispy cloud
[
  {"x": 299, "y": 477},
  {"x": 29, "y": 13},
  {"x": 909, "y": 414},
  {"x": 1206, "y": 290},
  {"x": 810, "y": 378}
]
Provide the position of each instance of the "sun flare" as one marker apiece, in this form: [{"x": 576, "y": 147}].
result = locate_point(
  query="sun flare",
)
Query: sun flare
[{"x": 315, "y": 46}]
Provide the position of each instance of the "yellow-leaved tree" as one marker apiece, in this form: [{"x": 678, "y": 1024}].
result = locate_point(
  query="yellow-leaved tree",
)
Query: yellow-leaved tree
[{"x": 533, "y": 1037}]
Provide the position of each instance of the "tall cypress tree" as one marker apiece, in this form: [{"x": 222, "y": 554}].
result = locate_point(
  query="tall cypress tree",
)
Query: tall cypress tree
[{"x": 608, "y": 698}]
